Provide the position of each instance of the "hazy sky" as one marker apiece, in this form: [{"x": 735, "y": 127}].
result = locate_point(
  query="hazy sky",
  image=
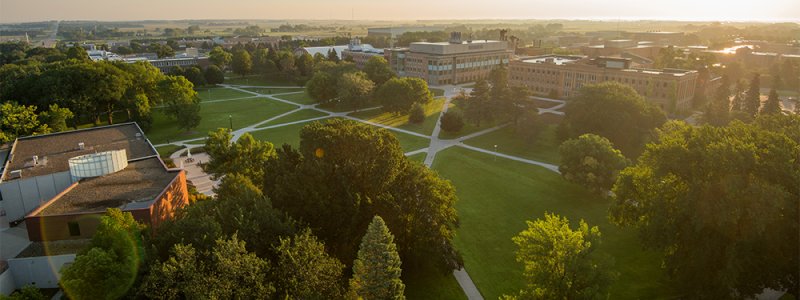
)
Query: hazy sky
[{"x": 37, "y": 10}]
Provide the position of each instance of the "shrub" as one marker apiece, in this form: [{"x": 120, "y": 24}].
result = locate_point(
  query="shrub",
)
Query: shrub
[
  {"x": 452, "y": 121},
  {"x": 416, "y": 114}
]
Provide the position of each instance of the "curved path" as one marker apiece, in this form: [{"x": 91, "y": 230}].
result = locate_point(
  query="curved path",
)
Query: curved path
[{"x": 436, "y": 144}]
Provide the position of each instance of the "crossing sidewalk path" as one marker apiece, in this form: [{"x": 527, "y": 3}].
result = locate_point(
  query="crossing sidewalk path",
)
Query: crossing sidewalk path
[{"x": 203, "y": 180}]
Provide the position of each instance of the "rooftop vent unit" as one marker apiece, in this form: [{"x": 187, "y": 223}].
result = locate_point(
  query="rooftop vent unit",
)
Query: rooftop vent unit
[
  {"x": 138, "y": 136},
  {"x": 455, "y": 37},
  {"x": 15, "y": 174},
  {"x": 35, "y": 160},
  {"x": 98, "y": 164},
  {"x": 81, "y": 146}
]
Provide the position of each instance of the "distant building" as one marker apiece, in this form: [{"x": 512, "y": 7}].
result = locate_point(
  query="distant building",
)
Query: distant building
[
  {"x": 167, "y": 64},
  {"x": 98, "y": 55},
  {"x": 620, "y": 47},
  {"x": 671, "y": 89},
  {"x": 452, "y": 62},
  {"x": 339, "y": 49},
  {"x": 393, "y": 32},
  {"x": 360, "y": 53},
  {"x": 660, "y": 38}
]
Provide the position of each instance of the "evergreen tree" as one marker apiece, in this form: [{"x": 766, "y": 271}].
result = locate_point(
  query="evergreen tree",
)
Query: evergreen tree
[
  {"x": 753, "y": 100},
  {"x": 773, "y": 104},
  {"x": 718, "y": 111},
  {"x": 376, "y": 271}
]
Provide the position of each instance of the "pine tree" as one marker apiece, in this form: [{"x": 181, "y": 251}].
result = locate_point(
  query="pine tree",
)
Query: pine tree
[
  {"x": 718, "y": 110},
  {"x": 753, "y": 99},
  {"x": 376, "y": 271},
  {"x": 773, "y": 104}
]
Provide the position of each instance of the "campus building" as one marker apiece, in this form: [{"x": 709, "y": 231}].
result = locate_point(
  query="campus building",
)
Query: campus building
[
  {"x": 57, "y": 182},
  {"x": 562, "y": 75},
  {"x": 167, "y": 64},
  {"x": 453, "y": 62},
  {"x": 360, "y": 53}
]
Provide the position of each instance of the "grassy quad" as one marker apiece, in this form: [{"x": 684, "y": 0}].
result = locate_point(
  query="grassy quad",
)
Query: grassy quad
[
  {"x": 219, "y": 93},
  {"x": 300, "y": 115},
  {"x": 299, "y": 98},
  {"x": 544, "y": 148},
  {"x": 273, "y": 91},
  {"x": 255, "y": 80},
  {"x": 497, "y": 196},
  {"x": 244, "y": 113},
  {"x": 432, "y": 111}
]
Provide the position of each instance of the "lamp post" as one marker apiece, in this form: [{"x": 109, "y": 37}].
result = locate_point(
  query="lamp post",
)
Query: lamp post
[
  {"x": 230, "y": 119},
  {"x": 495, "y": 152}
]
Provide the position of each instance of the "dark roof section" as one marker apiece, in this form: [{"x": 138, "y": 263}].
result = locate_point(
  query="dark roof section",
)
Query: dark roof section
[
  {"x": 54, "y": 150},
  {"x": 136, "y": 186}
]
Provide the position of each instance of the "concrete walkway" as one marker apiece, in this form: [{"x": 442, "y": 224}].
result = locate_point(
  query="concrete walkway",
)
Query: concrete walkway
[{"x": 436, "y": 145}]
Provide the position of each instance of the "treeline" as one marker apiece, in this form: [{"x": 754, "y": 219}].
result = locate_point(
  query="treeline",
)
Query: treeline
[
  {"x": 80, "y": 91},
  {"x": 263, "y": 235},
  {"x": 301, "y": 28},
  {"x": 686, "y": 190}
]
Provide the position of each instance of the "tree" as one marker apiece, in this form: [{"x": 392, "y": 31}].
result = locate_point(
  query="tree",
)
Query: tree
[
  {"x": 226, "y": 272},
  {"x": 354, "y": 89},
  {"x": 305, "y": 271},
  {"x": 376, "y": 271},
  {"x": 241, "y": 63},
  {"x": 614, "y": 111},
  {"x": 591, "y": 161},
  {"x": 752, "y": 102},
  {"x": 718, "y": 202},
  {"x": 395, "y": 95},
  {"x": 562, "y": 263},
  {"x": 479, "y": 104},
  {"x": 214, "y": 75},
  {"x": 322, "y": 87},
  {"x": 773, "y": 104},
  {"x": 194, "y": 75},
  {"x": 182, "y": 101},
  {"x": 305, "y": 64},
  {"x": 219, "y": 57},
  {"x": 452, "y": 121},
  {"x": 56, "y": 117},
  {"x": 332, "y": 55},
  {"x": 718, "y": 111},
  {"x": 378, "y": 70},
  {"x": 260, "y": 59},
  {"x": 27, "y": 292},
  {"x": 246, "y": 156},
  {"x": 161, "y": 50},
  {"x": 528, "y": 126},
  {"x": 353, "y": 172},
  {"x": 77, "y": 53},
  {"x": 417, "y": 114},
  {"x": 108, "y": 268},
  {"x": 19, "y": 121}
]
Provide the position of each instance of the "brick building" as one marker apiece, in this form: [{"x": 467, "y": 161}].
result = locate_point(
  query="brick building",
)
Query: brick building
[
  {"x": 671, "y": 89},
  {"x": 453, "y": 62},
  {"x": 61, "y": 183}
]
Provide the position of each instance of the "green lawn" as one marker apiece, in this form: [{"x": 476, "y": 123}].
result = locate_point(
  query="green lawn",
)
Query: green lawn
[
  {"x": 420, "y": 157},
  {"x": 544, "y": 148},
  {"x": 166, "y": 151},
  {"x": 497, "y": 196},
  {"x": 299, "y": 98},
  {"x": 219, "y": 93},
  {"x": 257, "y": 80},
  {"x": 432, "y": 111},
  {"x": 214, "y": 115},
  {"x": 290, "y": 134},
  {"x": 303, "y": 114},
  {"x": 437, "y": 92},
  {"x": 425, "y": 282},
  {"x": 272, "y": 91}
]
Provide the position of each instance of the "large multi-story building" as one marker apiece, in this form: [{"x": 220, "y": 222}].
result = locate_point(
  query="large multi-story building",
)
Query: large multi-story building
[
  {"x": 452, "y": 62},
  {"x": 671, "y": 89},
  {"x": 360, "y": 53}
]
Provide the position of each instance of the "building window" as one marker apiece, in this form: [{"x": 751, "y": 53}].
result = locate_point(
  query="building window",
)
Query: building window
[{"x": 74, "y": 229}]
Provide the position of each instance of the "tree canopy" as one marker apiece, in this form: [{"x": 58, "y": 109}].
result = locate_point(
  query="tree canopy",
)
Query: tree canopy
[
  {"x": 591, "y": 161},
  {"x": 720, "y": 204}
]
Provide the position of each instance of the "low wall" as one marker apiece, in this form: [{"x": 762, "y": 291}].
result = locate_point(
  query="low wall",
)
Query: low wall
[
  {"x": 41, "y": 271},
  {"x": 7, "y": 285}
]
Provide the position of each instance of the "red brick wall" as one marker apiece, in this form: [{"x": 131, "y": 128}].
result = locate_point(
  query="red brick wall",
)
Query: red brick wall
[{"x": 52, "y": 228}]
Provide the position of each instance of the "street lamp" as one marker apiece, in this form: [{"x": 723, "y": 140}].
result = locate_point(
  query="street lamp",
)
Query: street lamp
[
  {"x": 230, "y": 119},
  {"x": 495, "y": 152}
]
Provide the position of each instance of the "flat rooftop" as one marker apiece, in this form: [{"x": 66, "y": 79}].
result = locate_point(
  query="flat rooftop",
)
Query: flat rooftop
[
  {"x": 54, "y": 150},
  {"x": 136, "y": 186},
  {"x": 553, "y": 59}
]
